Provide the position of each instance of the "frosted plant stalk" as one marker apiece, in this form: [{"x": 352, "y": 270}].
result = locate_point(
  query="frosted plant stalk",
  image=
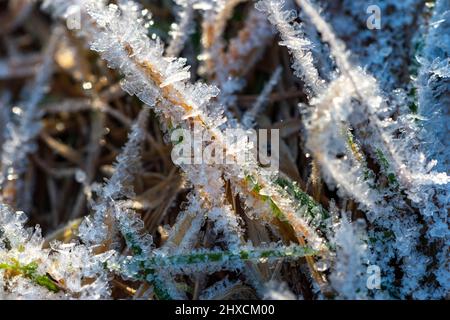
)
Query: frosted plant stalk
[
  {"x": 249, "y": 117},
  {"x": 32, "y": 271},
  {"x": 181, "y": 30},
  {"x": 20, "y": 137},
  {"x": 293, "y": 38}
]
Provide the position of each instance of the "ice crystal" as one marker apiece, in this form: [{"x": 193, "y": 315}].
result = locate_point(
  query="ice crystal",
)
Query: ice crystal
[{"x": 32, "y": 271}]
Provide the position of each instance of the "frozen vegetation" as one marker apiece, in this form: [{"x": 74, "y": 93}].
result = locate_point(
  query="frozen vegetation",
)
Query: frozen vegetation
[{"x": 93, "y": 207}]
